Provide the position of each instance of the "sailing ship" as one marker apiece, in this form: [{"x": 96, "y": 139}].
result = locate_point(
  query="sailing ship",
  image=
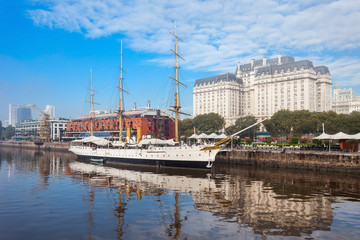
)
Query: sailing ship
[{"x": 147, "y": 151}]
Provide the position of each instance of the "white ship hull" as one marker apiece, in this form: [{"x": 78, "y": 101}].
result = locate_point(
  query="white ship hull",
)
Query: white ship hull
[{"x": 191, "y": 157}]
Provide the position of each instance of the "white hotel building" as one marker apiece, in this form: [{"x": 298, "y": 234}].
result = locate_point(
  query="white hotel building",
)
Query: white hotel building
[{"x": 263, "y": 87}]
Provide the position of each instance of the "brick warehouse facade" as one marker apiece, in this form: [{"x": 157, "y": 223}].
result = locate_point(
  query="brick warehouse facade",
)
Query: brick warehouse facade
[{"x": 145, "y": 122}]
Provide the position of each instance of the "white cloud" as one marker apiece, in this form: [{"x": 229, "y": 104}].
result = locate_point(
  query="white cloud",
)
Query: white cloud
[
  {"x": 216, "y": 33},
  {"x": 344, "y": 69}
]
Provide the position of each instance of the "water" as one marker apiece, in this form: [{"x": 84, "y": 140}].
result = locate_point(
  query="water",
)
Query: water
[{"x": 51, "y": 195}]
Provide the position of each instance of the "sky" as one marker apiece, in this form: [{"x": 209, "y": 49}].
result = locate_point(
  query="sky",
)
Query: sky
[{"x": 49, "y": 47}]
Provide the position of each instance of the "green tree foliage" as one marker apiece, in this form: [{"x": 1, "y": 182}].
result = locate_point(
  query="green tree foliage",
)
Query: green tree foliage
[
  {"x": 302, "y": 122},
  {"x": 186, "y": 127},
  {"x": 294, "y": 140},
  {"x": 280, "y": 124},
  {"x": 9, "y": 132},
  {"x": 333, "y": 122},
  {"x": 351, "y": 123},
  {"x": 208, "y": 123},
  {"x": 242, "y": 123},
  {"x": 285, "y": 123}
]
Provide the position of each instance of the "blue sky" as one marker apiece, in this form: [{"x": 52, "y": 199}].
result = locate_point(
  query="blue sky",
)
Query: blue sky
[{"x": 48, "y": 47}]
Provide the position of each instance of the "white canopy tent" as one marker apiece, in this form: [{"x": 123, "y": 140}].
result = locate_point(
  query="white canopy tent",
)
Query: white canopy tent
[
  {"x": 194, "y": 136},
  {"x": 213, "y": 136},
  {"x": 356, "y": 136},
  {"x": 202, "y": 136},
  {"x": 340, "y": 136},
  {"x": 222, "y": 136},
  {"x": 323, "y": 136}
]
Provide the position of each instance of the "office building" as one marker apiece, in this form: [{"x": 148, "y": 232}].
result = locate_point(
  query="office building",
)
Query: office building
[
  {"x": 18, "y": 114},
  {"x": 263, "y": 87},
  {"x": 30, "y": 130}
]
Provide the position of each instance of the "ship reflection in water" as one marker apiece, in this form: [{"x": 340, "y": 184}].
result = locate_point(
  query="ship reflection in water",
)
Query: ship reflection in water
[{"x": 79, "y": 199}]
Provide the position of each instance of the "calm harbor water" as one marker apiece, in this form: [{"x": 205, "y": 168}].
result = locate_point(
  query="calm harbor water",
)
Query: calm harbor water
[{"x": 52, "y": 195}]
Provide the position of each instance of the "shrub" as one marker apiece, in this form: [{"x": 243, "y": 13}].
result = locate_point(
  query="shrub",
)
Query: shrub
[{"x": 294, "y": 140}]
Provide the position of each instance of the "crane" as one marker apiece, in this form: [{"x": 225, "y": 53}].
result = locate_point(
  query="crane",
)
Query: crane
[{"x": 44, "y": 123}]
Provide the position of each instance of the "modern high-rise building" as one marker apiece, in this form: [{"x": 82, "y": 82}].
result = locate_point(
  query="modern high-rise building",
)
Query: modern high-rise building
[
  {"x": 18, "y": 114},
  {"x": 263, "y": 87}
]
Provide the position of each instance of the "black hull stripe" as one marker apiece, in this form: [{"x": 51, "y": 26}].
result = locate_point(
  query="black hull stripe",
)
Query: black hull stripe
[{"x": 165, "y": 163}]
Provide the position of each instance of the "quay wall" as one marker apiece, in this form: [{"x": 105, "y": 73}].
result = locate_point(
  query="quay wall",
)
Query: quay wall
[
  {"x": 332, "y": 161},
  {"x": 55, "y": 146}
]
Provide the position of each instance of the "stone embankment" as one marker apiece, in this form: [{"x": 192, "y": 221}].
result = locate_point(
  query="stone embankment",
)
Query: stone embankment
[
  {"x": 56, "y": 146},
  {"x": 332, "y": 161}
]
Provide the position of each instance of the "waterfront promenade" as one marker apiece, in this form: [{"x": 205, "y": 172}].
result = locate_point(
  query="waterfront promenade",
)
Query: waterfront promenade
[
  {"x": 290, "y": 157},
  {"x": 56, "y": 146}
]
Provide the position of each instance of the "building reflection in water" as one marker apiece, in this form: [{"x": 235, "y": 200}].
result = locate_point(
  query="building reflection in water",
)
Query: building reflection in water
[
  {"x": 45, "y": 163},
  {"x": 270, "y": 202},
  {"x": 282, "y": 208}
]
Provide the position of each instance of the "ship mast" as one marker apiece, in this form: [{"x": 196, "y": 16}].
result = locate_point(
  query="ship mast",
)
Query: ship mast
[
  {"x": 121, "y": 109},
  {"x": 176, "y": 79},
  {"x": 92, "y": 104}
]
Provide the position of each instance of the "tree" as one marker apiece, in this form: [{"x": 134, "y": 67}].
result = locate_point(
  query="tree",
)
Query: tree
[
  {"x": 210, "y": 122},
  {"x": 242, "y": 123},
  {"x": 352, "y": 123},
  {"x": 280, "y": 124},
  {"x": 186, "y": 126},
  {"x": 9, "y": 132},
  {"x": 331, "y": 120},
  {"x": 303, "y": 122},
  {"x": 231, "y": 129}
]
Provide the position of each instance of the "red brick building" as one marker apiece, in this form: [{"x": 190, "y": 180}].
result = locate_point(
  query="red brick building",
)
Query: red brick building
[{"x": 147, "y": 121}]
